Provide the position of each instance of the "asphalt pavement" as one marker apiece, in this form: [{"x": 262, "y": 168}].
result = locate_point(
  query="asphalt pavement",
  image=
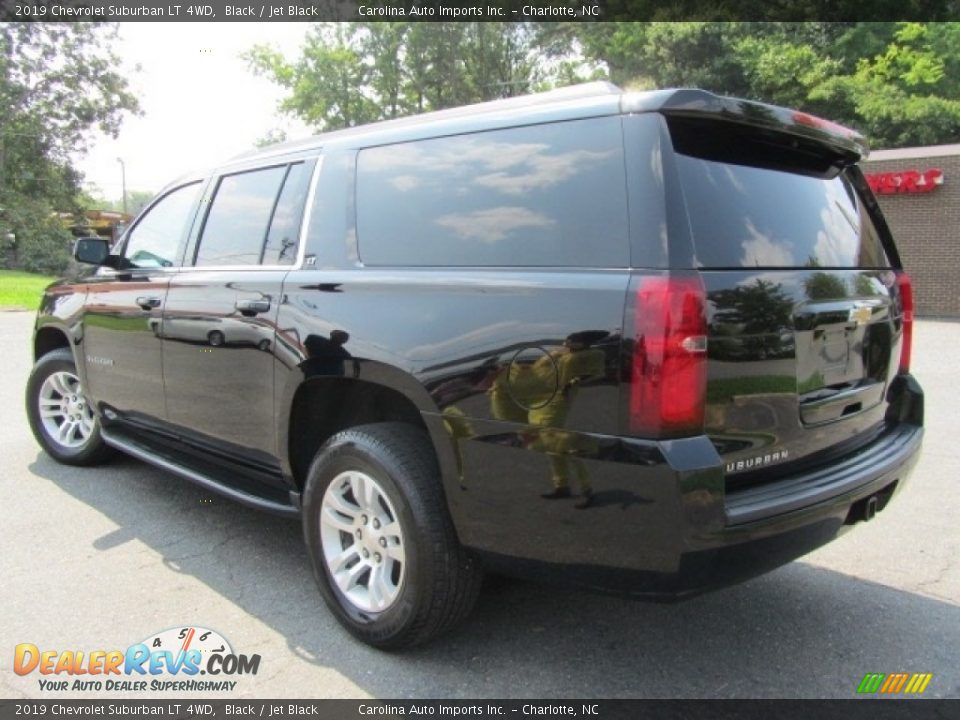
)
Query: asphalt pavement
[{"x": 101, "y": 558}]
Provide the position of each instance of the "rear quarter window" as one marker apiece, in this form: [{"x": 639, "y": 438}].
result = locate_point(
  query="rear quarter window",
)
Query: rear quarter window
[{"x": 550, "y": 195}]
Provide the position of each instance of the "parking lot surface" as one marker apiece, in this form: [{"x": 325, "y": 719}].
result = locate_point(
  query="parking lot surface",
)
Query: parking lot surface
[{"x": 101, "y": 558}]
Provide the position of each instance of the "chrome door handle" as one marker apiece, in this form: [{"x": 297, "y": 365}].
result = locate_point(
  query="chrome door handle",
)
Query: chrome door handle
[
  {"x": 148, "y": 303},
  {"x": 252, "y": 307}
]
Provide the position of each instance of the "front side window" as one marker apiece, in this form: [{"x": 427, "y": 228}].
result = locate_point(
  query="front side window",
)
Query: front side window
[
  {"x": 239, "y": 217},
  {"x": 155, "y": 241}
]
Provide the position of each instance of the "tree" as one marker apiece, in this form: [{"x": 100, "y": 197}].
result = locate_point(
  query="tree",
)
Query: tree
[
  {"x": 353, "y": 73},
  {"x": 899, "y": 83},
  {"x": 58, "y": 83},
  {"x": 908, "y": 93}
]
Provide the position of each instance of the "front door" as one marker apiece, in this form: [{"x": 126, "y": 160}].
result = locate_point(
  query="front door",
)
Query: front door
[{"x": 121, "y": 323}]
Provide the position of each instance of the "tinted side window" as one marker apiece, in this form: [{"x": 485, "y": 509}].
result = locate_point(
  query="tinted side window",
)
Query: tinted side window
[
  {"x": 281, "y": 247},
  {"x": 236, "y": 226},
  {"x": 550, "y": 195},
  {"x": 155, "y": 240}
]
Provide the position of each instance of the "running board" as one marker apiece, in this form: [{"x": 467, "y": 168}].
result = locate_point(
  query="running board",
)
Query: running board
[{"x": 141, "y": 453}]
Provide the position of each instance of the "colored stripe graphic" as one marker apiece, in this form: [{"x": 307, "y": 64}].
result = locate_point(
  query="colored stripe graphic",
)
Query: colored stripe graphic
[
  {"x": 871, "y": 682},
  {"x": 894, "y": 683},
  {"x": 918, "y": 683}
]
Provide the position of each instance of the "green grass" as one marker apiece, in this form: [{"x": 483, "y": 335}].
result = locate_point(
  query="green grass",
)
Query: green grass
[
  {"x": 721, "y": 391},
  {"x": 21, "y": 290}
]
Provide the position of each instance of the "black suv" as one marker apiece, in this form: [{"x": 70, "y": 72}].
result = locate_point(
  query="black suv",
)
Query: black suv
[{"x": 651, "y": 343}]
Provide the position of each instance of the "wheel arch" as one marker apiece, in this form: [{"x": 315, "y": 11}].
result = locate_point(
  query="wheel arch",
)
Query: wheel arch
[
  {"x": 324, "y": 406},
  {"x": 48, "y": 338}
]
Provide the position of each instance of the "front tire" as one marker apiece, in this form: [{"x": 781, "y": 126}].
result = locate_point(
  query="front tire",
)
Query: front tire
[
  {"x": 60, "y": 415},
  {"x": 382, "y": 545}
]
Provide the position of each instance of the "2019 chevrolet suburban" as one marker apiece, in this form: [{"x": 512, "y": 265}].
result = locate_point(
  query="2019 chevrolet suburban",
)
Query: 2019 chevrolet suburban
[{"x": 652, "y": 343}]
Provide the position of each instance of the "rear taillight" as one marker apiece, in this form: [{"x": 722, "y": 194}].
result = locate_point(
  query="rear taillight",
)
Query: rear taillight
[
  {"x": 905, "y": 289},
  {"x": 669, "y": 377}
]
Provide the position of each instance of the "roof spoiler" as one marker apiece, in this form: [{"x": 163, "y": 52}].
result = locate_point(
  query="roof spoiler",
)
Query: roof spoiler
[{"x": 849, "y": 144}]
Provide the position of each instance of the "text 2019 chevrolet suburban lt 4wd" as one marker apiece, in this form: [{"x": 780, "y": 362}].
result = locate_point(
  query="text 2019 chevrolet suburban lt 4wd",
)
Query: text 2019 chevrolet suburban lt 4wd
[{"x": 651, "y": 343}]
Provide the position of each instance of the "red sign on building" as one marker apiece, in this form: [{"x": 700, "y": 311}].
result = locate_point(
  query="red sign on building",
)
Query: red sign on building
[{"x": 905, "y": 181}]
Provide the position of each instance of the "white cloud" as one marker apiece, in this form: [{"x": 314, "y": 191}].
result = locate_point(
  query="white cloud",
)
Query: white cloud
[
  {"x": 541, "y": 171},
  {"x": 405, "y": 183},
  {"x": 838, "y": 241},
  {"x": 762, "y": 250},
  {"x": 494, "y": 224}
]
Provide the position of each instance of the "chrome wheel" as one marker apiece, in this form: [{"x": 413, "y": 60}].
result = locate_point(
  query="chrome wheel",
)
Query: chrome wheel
[
  {"x": 362, "y": 541},
  {"x": 64, "y": 412}
]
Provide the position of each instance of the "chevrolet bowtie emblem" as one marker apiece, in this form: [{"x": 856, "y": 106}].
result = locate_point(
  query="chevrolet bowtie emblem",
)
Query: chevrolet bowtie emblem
[{"x": 860, "y": 314}]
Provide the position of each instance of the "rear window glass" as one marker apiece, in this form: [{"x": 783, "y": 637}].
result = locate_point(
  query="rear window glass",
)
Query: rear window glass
[
  {"x": 744, "y": 216},
  {"x": 549, "y": 195}
]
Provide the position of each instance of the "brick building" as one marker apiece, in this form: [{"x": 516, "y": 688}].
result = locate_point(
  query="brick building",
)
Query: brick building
[{"x": 922, "y": 208}]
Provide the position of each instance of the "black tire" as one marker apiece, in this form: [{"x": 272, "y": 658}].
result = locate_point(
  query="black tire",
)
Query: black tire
[
  {"x": 216, "y": 338},
  {"x": 93, "y": 451},
  {"x": 440, "y": 579}
]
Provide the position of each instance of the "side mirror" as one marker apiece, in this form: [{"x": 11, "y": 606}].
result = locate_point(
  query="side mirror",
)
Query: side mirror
[{"x": 91, "y": 250}]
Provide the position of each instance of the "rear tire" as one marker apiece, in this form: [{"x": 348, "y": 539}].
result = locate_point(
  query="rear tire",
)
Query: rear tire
[
  {"x": 383, "y": 548},
  {"x": 60, "y": 415}
]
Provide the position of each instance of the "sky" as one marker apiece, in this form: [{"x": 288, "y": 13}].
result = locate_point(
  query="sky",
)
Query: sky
[{"x": 201, "y": 104}]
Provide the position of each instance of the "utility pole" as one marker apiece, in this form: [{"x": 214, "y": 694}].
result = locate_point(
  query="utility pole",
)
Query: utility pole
[{"x": 123, "y": 181}]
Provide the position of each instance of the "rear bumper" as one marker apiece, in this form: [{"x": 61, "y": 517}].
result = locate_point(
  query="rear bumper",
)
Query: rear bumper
[
  {"x": 774, "y": 524},
  {"x": 661, "y": 523},
  {"x": 889, "y": 459}
]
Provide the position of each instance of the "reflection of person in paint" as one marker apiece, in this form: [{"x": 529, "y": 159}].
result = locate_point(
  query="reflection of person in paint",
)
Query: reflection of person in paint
[
  {"x": 326, "y": 356},
  {"x": 548, "y": 388},
  {"x": 454, "y": 419}
]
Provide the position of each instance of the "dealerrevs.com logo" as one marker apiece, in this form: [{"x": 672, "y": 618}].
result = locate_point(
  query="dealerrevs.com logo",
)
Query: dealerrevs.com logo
[{"x": 180, "y": 659}]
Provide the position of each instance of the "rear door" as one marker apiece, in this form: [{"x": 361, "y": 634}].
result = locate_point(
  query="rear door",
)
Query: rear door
[
  {"x": 219, "y": 320},
  {"x": 803, "y": 311}
]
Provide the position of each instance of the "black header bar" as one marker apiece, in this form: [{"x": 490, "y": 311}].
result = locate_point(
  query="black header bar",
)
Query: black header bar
[{"x": 468, "y": 10}]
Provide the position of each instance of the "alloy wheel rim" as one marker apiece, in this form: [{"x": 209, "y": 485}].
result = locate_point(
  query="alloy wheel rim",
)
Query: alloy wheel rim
[
  {"x": 362, "y": 541},
  {"x": 65, "y": 413}
]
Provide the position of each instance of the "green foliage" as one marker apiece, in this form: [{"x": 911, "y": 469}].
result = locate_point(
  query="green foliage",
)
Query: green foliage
[
  {"x": 723, "y": 390},
  {"x": 756, "y": 307},
  {"x": 58, "y": 83},
  {"x": 272, "y": 137},
  {"x": 354, "y": 73},
  {"x": 824, "y": 286},
  {"x": 898, "y": 83},
  {"x": 40, "y": 244},
  {"x": 908, "y": 92}
]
